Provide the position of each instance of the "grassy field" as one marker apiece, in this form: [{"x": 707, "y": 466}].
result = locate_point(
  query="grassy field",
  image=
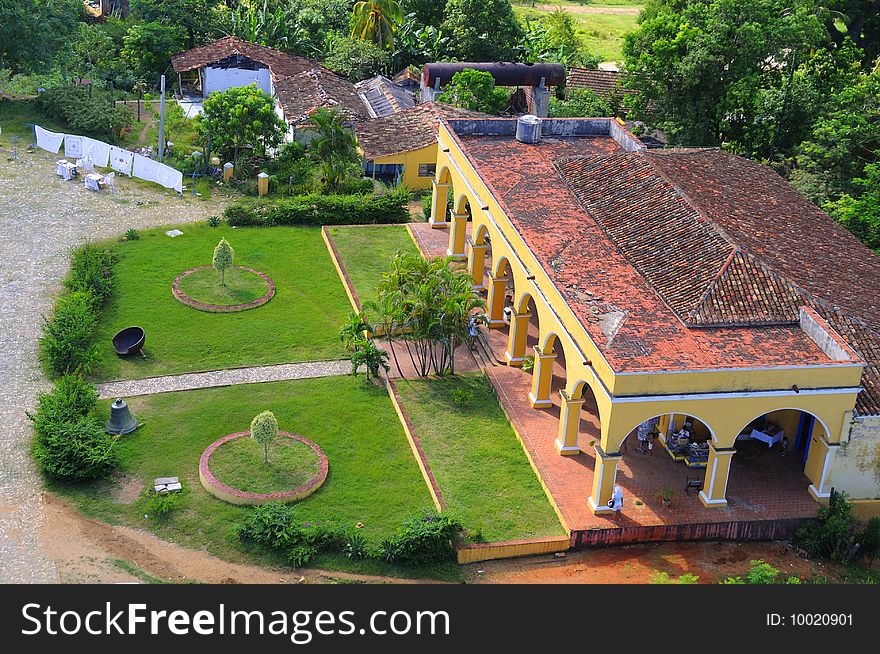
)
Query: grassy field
[
  {"x": 601, "y": 33},
  {"x": 367, "y": 252},
  {"x": 373, "y": 476},
  {"x": 301, "y": 322},
  {"x": 479, "y": 464},
  {"x": 240, "y": 287},
  {"x": 240, "y": 464}
]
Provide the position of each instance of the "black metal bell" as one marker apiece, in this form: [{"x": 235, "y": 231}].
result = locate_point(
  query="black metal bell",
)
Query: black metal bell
[{"x": 121, "y": 421}]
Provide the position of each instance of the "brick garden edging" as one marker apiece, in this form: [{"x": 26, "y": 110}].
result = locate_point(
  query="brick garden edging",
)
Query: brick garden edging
[
  {"x": 183, "y": 298},
  {"x": 237, "y": 496}
]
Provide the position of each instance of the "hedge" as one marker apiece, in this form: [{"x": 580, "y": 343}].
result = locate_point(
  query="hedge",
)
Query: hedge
[{"x": 316, "y": 209}]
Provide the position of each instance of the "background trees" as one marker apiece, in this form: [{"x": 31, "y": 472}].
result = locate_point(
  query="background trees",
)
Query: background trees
[
  {"x": 335, "y": 146},
  {"x": 376, "y": 21},
  {"x": 475, "y": 90},
  {"x": 482, "y": 30},
  {"x": 34, "y": 32}
]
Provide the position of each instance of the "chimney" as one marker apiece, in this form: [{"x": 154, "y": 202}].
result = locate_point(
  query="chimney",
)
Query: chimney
[{"x": 528, "y": 129}]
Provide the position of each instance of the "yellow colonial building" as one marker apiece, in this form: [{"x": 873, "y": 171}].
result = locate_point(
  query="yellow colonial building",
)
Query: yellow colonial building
[{"x": 681, "y": 289}]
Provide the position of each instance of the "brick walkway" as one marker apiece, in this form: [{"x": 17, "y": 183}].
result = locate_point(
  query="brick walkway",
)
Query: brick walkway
[
  {"x": 214, "y": 378},
  {"x": 763, "y": 484}
]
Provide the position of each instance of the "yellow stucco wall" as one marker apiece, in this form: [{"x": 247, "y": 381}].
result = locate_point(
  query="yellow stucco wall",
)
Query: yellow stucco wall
[
  {"x": 724, "y": 400},
  {"x": 411, "y": 161},
  {"x": 856, "y": 465}
]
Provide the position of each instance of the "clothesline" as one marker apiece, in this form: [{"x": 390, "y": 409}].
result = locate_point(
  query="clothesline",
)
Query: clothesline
[{"x": 104, "y": 155}]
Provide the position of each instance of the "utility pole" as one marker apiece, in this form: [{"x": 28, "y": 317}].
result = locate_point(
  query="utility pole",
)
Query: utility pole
[{"x": 162, "y": 119}]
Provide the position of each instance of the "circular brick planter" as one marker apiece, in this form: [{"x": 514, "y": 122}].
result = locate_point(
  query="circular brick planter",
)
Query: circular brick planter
[
  {"x": 221, "y": 308},
  {"x": 236, "y": 496}
]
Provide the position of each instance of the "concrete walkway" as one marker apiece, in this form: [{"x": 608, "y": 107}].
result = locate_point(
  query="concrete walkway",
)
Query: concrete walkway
[
  {"x": 215, "y": 378},
  {"x": 41, "y": 218}
]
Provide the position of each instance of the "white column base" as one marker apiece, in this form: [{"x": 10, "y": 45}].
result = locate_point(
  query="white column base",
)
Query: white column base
[
  {"x": 438, "y": 224},
  {"x": 712, "y": 503},
  {"x": 817, "y": 495},
  {"x": 478, "y": 288},
  {"x": 598, "y": 509},
  {"x": 566, "y": 450},
  {"x": 496, "y": 324},
  {"x": 450, "y": 253},
  {"x": 512, "y": 360},
  {"x": 539, "y": 404}
]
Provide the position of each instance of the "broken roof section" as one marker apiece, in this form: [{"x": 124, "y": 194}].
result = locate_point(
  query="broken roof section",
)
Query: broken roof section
[
  {"x": 382, "y": 97},
  {"x": 281, "y": 64},
  {"x": 303, "y": 94}
]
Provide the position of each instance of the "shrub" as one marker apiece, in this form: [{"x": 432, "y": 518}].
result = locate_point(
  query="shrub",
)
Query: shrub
[
  {"x": 75, "y": 451},
  {"x": 213, "y": 221},
  {"x": 66, "y": 345},
  {"x": 85, "y": 112},
  {"x": 529, "y": 363},
  {"x": 132, "y": 235},
  {"x": 161, "y": 504},
  {"x": 356, "y": 547},
  {"x": 663, "y": 577},
  {"x": 91, "y": 269},
  {"x": 276, "y": 527},
  {"x": 428, "y": 537},
  {"x": 869, "y": 540},
  {"x": 462, "y": 397},
  {"x": 761, "y": 573},
  {"x": 317, "y": 209},
  {"x": 832, "y": 533},
  {"x": 71, "y": 399}
]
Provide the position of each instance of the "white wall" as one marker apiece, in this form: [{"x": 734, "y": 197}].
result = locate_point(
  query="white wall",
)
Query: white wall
[
  {"x": 220, "y": 79},
  {"x": 856, "y": 465}
]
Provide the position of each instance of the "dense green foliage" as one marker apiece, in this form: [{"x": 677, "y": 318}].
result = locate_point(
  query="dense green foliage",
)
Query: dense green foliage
[
  {"x": 762, "y": 574},
  {"x": 334, "y": 147},
  {"x": 84, "y": 112},
  {"x": 475, "y": 90},
  {"x": 832, "y": 534},
  {"x": 241, "y": 117},
  {"x": 376, "y": 21},
  {"x": 34, "y": 32},
  {"x": 356, "y": 59},
  {"x": 580, "y": 102},
  {"x": 319, "y": 209},
  {"x": 428, "y": 537},
  {"x": 482, "y": 30},
  {"x": 789, "y": 82},
  {"x": 67, "y": 343},
  {"x": 69, "y": 441}
]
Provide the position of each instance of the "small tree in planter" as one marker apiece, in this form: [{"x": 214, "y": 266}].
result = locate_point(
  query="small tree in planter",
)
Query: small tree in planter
[
  {"x": 223, "y": 256},
  {"x": 666, "y": 494},
  {"x": 264, "y": 429}
]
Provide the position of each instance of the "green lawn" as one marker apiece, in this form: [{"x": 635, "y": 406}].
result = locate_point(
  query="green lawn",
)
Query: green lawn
[
  {"x": 482, "y": 471},
  {"x": 373, "y": 476},
  {"x": 239, "y": 286},
  {"x": 367, "y": 252},
  {"x": 601, "y": 33},
  {"x": 300, "y": 323},
  {"x": 241, "y": 464}
]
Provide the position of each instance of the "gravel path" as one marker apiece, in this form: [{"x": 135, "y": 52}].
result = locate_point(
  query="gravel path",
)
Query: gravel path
[
  {"x": 192, "y": 380},
  {"x": 41, "y": 218}
]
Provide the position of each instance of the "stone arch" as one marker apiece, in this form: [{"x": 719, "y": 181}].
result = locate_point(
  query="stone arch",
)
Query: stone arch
[
  {"x": 501, "y": 265},
  {"x": 463, "y": 204},
  {"x": 789, "y": 408},
  {"x": 481, "y": 232},
  {"x": 633, "y": 428},
  {"x": 444, "y": 176}
]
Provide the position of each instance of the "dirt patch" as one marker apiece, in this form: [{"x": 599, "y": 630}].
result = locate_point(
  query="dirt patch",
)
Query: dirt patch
[
  {"x": 127, "y": 489},
  {"x": 712, "y": 562},
  {"x": 87, "y": 551}
]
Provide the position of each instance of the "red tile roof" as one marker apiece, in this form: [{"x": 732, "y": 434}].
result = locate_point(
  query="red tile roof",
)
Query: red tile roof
[
  {"x": 681, "y": 259},
  {"x": 407, "y": 130},
  {"x": 302, "y": 94},
  {"x": 605, "y": 83},
  {"x": 281, "y": 64}
]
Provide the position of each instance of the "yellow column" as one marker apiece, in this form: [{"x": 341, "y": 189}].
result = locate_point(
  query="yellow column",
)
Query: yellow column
[
  {"x": 569, "y": 425},
  {"x": 819, "y": 463},
  {"x": 714, "y": 493},
  {"x": 458, "y": 235},
  {"x": 516, "y": 339},
  {"x": 542, "y": 380},
  {"x": 497, "y": 287},
  {"x": 604, "y": 476},
  {"x": 476, "y": 263},
  {"x": 439, "y": 198}
]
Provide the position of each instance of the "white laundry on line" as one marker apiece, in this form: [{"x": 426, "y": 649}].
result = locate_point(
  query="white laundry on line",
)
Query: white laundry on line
[
  {"x": 97, "y": 151},
  {"x": 121, "y": 160},
  {"x": 145, "y": 168},
  {"x": 73, "y": 146},
  {"x": 49, "y": 141},
  {"x": 170, "y": 178}
]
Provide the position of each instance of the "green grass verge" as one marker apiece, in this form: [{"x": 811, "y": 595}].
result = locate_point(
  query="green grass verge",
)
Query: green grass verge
[
  {"x": 601, "y": 34},
  {"x": 367, "y": 252},
  {"x": 241, "y": 286},
  {"x": 301, "y": 322},
  {"x": 478, "y": 462},
  {"x": 240, "y": 464},
  {"x": 373, "y": 477}
]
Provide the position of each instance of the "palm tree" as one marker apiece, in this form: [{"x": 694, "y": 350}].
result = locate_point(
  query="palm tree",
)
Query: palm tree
[
  {"x": 376, "y": 21},
  {"x": 335, "y": 146}
]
